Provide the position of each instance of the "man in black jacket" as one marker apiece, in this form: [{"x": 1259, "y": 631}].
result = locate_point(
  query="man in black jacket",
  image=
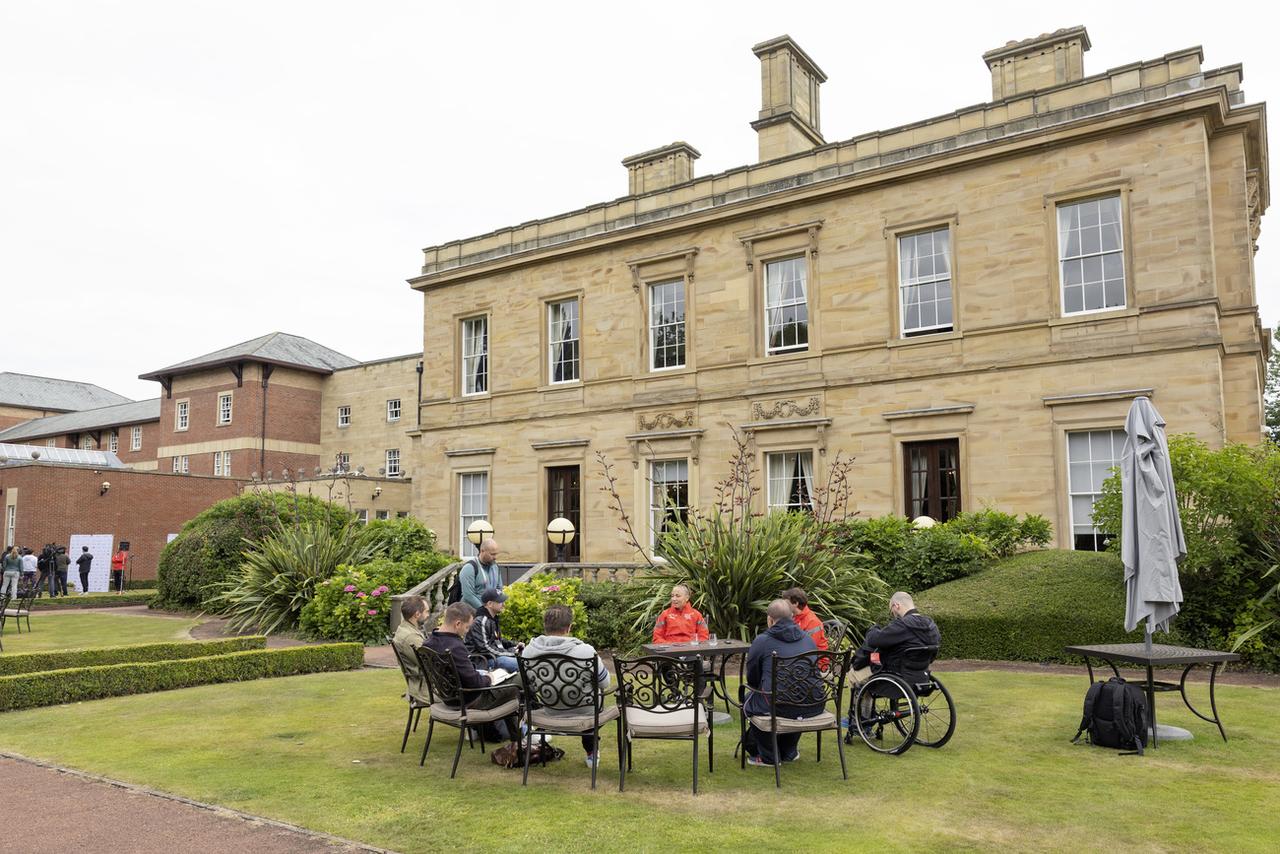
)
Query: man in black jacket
[
  {"x": 447, "y": 640},
  {"x": 785, "y": 638},
  {"x": 84, "y": 562},
  {"x": 908, "y": 628},
  {"x": 485, "y": 635}
]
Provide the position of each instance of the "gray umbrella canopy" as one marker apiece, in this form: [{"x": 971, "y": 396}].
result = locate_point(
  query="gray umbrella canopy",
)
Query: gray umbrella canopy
[{"x": 1151, "y": 542}]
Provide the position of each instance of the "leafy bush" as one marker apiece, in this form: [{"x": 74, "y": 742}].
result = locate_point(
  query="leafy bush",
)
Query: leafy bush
[
  {"x": 611, "y": 615},
  {"x": 1229, "y": 501},
  {"x": 882, "y": 538},
  {"x": 35, "y": 662},
  {"x": 1004, "y": 533},
  {"x": 96, "y": 600},
  {"x": 1030, "y": 606},
  {"x": 209, "y": 548},
  {"x": 935, "y": 555},
  {"x": 401, "y": 538},
  {"x": 529, "y": 600},
  {"x": 279, "y": 575},
  {"x": 49, "y": 688}
]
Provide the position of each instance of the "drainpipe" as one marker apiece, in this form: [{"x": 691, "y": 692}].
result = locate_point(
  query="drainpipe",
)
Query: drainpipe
[
  {"x": 419, "y": 406},
  {"x": 262, "y": 452}
]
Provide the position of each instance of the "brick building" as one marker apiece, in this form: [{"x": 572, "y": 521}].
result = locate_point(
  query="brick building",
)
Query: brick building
[{"x": 23, "y": 397}]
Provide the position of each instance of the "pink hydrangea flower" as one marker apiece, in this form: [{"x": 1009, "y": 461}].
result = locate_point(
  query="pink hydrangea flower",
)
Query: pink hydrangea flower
[
  {"x": 360, "y": 595},
  {"x": 373, "y": 612},
  {"x": 376, "y": 592},
  {"x": 349, "y": 588}
]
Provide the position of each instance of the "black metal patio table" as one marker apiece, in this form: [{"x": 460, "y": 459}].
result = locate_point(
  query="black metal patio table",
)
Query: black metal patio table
[
  {"x": 1161, "y": 655},
  {"x": 701, "y": 650}
]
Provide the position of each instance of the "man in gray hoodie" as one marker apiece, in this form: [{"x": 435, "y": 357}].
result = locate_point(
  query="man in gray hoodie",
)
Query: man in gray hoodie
[{"x": 557, "y": 622}]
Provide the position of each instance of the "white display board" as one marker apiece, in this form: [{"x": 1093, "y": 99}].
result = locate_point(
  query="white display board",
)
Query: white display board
[{"x": 100, "y": 546}]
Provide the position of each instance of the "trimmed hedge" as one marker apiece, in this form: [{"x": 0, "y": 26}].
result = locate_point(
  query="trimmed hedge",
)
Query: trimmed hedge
[
  {"x": 96, "y": 600},
  {"x": 30, "y": 690},
  {"x": 35, "y": 662},
  {"x": 1027, "y": 608}
]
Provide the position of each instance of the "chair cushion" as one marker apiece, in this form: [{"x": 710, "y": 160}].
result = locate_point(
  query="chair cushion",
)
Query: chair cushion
[
  {"x": 448, "y": 714},
  {"x": 16, "y": 612},
  {"x": 571, "y": 720},
  {"x": 680, "y": 722},
  {"x": 825, "y": 720}
]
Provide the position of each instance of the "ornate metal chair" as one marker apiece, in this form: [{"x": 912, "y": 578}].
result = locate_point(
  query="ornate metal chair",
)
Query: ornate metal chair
[
  {"x": 22, "y": 609},
  {"x": 417, "y": 702},
  {"x": 564, "y": 697},
  {"x": 4, "y": 609},
  {"x": 449, "y": 702},
  {"x": 836, "y": 631},
  {"x": 811, "y": 679},
  {"x": 661, "y": 697}
]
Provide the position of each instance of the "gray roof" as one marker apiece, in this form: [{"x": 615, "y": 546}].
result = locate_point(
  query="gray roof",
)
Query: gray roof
[
  {"x": 278, "y": 348},
  {"x": 58, "y": 456},
  {"x": 54, "y": 394},
  {"x": 133, "y": 412}
]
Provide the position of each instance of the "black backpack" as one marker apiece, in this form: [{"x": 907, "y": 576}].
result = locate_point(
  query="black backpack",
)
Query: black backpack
[
  {"x": 455, "y": 589},
  {"x": 1115, "y": 716}
]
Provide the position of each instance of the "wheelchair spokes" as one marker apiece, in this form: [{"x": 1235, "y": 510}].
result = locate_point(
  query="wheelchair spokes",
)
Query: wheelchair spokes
[
  {"x": 937, "y": 716},
  {"x": 886, "y": 715}
]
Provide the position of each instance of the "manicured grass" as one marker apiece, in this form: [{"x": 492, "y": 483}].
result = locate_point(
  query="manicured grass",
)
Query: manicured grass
[
  {"x": 81, "y": 631},
  {"x": 323, "y": 751}
]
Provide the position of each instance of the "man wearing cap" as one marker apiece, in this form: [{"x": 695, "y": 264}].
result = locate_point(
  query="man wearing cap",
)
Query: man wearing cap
[{"x": 485, "y": 635}]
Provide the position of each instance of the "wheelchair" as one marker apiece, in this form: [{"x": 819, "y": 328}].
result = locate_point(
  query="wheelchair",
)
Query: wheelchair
[{"x": 902, "y": 706}]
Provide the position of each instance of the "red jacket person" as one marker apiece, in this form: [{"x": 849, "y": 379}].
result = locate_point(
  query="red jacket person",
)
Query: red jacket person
[{"x": 681, "y": 622}]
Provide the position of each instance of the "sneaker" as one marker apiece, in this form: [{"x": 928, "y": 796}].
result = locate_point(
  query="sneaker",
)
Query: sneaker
[
  {"x": 758, "y": 762},
  {"x": 592, "y": 760},
  {"x": 792, "y": 758}
]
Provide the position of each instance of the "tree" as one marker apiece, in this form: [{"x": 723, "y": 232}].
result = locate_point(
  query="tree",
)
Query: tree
[{"x": 1272, "y": 393}]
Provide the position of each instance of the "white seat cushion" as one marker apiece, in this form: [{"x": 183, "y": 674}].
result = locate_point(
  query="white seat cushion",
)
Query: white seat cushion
[
  {"x": 448, "y": 714},
  {"x": 825, "y": 720},
  {"x": 572, "y": 721},
  {"x": 680, "y": 722}
]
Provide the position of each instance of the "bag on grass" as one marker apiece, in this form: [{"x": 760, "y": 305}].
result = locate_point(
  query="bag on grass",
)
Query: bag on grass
[
  {"x": 512, "y": 755},
  {"x": 1115, "y": 716}
]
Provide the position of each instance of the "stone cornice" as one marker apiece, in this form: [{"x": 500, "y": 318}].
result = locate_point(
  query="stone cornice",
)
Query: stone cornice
[
  {"x": 1096, "y": 396},
  {"x": 928, "y": 412}
]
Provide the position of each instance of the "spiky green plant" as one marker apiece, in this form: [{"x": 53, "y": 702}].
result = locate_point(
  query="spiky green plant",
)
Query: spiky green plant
[{"x": 278, "y": 575}]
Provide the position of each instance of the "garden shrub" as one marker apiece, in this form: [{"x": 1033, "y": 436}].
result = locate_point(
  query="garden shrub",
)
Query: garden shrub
[
  {"x": 1004, "y": 533},
  {"x": 935, "y": 555},
  {"x": 209, "y": 548},
  {"x": 96, "y": 600},
  {"x": 529, "y": 600},
  {"x": 49, "y": 688},
  {"x": 611, "y": 615},
  {"x": 34, "y": 662},
  {"x": 355, "y": 604},
  {"x": 401, "y": 538}
]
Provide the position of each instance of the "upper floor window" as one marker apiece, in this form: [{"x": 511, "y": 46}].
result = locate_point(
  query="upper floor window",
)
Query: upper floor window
[
  {"x": 790, "y": 480},
  {"x": 393, "y": 462},
  {"x": 666, "y": 325},
  {"x": 181, "y": 465},
  {"x": 924, "y": 281},
  {"x": 113, "y": 441},
  {"x": 86, "y": 443},
  {"x": 393, "y": 410},
  {"x": 135, "y": 439},
  {"x": 475, "y": 355},
  {"x": 786, "y": 306},
  {"x": 224, "y": 408},
  {"x": 344, "y": 416},
  {"x": 181, "y": 415},
  {"x": 344, "y": 461},
  {"x": 1091, "y": 255},
  {"x": 51, "y": 443},
  {"x": 563, "y": 335}
]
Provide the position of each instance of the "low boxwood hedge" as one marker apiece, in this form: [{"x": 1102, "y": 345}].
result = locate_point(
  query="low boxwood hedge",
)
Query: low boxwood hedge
[
  {"x": 36, "y": 662},
  {"x": 50, "y": 688},
  {"x": 1028, "y": 607},
  {"x": 96, "y": 600}
]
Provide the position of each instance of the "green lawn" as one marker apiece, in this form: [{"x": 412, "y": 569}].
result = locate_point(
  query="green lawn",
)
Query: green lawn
[
  {"x": 78, "y": 631},
  {"x": 323, "y": 751}
]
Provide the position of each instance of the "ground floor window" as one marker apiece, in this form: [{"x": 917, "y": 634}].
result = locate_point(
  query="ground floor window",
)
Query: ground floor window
[
  {"x": 382, "y": 514},
  {"x": 790, "y": 480},
  {"x": 668, "y": 495},
  {"x": 181, "y": 465},
  {"x": 1091, "y": 454},
  {"x": 932, "y": 479},
  {"x": 473, "y": 504}
]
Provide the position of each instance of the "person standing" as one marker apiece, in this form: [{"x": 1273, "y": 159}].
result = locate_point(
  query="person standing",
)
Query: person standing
[
  {"x": 58, "y": 584},
  {"x": 118, "y": 560},
  {"x": 481, "y": 573},
  {"x": 83, "y": 563},
  {"x": 29, "y": 567},
  {"x": 45, "y": 564},
  {"x": 12, "y": 564}
]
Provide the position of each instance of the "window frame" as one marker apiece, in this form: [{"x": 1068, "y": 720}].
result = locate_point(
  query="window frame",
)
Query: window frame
[
  {"x": 770, "y": 504},
  {"x": 226, "y": 396},
  {"x": 381, "y": 515},
  {"x": 181, "y": 464},
  {"x": 1053, "y": 203},
  {"x": 86, "y": 442},
  {"x": 135, "y": 438},
  {"x": 947, "y": 227},
  {"x": 551, "y": 342},
  {"x": 182, "y": 415},
  {"x": 651, "y": 329},
  {"x": 113, "y": 441},
  {"x": 387, "y": 460},
  {"x": 1071, "y": 494},
  {"x": 344, "y": 417},
  {"x": 802, "y": 258},
  {"x": 464, "y": 519},
  {"x": 486, "y": 354},
  {"x": 652, "y": 487},
  {"x": 391, "y": 419}
]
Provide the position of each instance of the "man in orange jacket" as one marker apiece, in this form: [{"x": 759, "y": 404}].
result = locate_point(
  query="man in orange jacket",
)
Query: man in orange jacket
[
  {"x": 805, "y": 618},
  {"x": 681, "y": 622}
]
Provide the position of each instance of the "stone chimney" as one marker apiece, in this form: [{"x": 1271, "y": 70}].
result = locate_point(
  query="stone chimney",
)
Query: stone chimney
[
  {"x": 790, "y": 120},
  {"x": 1047, "y": 60},
  {"x": 660, "y": 168}
]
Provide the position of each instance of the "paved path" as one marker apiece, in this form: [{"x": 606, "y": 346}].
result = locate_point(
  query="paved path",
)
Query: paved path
[{"x": 64, "y": 811}]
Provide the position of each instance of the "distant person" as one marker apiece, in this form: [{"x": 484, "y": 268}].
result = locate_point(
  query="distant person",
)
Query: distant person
[
  {"x": 118, "y": 561},
  {"x": 805, "y": 618},
  {"x": 30, "y": 565},
  {"x": 680, "y": 623},
  {"x": 485, "y": 635},
  {"x": 785, "y": 638},
  {"x": 12, "y": 563},
  {"x": 557, "y": 622},
  {"x": 83, "y": 563},
  {"x": 58, "y": 584},
  {"x": 447, "y": 641},
  {"x": 407, "y": 639},
  {"x": 45, "y": 564},
  {"x": 908, "y": 628},
  {"x": 481, "y": 573}
]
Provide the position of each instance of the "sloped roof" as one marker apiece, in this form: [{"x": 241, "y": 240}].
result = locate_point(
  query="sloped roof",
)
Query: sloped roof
[
  {"x": 58, "y": 456},
  {"x": 50, "y": 393},
  {"x": 133, "y": 412},
  {"x": 278, "y": 348}
]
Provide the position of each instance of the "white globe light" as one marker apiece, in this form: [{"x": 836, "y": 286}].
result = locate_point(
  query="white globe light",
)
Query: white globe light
[
  {"x": 479, "y": 531},
  {"x": 924, "y": 521},
  {"x": 560, "y": 531}
]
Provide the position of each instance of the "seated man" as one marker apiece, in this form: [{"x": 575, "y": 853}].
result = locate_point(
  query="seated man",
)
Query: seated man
[
  {"x": 408, "y": 637},
  {"x": 447, "y": 641},
  {"x": 908, "y": 628},
  {"x": 680, "y": 623},
  {"x": 784, "y": 637},
  {"x": 557, "y": 622},
  {"x": 485, "y": 635},
  {"x": 805, "y": 618}
]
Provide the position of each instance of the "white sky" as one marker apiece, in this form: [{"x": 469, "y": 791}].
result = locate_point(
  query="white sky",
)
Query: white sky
[{"x": 179, "y": 176}]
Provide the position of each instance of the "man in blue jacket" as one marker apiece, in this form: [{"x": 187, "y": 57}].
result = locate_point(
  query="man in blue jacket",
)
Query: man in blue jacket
[{"x": 785, "y": 638}]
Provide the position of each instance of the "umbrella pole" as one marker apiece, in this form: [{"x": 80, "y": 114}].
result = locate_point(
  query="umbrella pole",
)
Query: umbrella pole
[{"x": 1150, "y": 629}]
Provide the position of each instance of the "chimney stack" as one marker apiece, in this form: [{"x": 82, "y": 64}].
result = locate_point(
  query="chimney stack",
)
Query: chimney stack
[
  {"x": 790, "y": 121},
  {"x": 660, "y": 168},
  {"x": 1049, "y": 59}
]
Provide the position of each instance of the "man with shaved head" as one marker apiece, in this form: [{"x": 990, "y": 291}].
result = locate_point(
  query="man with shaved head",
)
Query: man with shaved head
[
  {"x": 481, "y": 573},
  {"x": 908, "y": 628},
  {"x": 785, "y": 638}
]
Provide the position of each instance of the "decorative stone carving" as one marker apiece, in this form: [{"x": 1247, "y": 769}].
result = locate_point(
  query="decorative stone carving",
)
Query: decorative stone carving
[
  {"x": 784, "y": 409},
  {"x": 1255, "y": 207},
  {"x": 665, "y": 421}
]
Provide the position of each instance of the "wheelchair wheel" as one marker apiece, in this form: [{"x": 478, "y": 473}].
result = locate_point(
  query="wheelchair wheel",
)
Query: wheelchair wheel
[
  {"x": 886, "y": 715},
  {"x": 937, "y": 716}
]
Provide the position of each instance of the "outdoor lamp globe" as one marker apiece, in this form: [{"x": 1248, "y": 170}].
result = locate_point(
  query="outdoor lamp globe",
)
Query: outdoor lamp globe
[
  {"x": 924, "y": 521},
  {"x": 479, "y": 531},
  {"x": 560, "y": 531}
]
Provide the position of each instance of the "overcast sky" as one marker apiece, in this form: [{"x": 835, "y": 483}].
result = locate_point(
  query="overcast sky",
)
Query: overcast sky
[{"x": 176, "y": 177}]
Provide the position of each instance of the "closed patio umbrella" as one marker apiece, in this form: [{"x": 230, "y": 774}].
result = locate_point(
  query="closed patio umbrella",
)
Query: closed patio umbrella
[{"x": 1152, "y": 542}]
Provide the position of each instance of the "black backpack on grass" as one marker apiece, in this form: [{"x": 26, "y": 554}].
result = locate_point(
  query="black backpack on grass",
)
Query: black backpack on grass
[{"x": 1115, "y": 716}]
